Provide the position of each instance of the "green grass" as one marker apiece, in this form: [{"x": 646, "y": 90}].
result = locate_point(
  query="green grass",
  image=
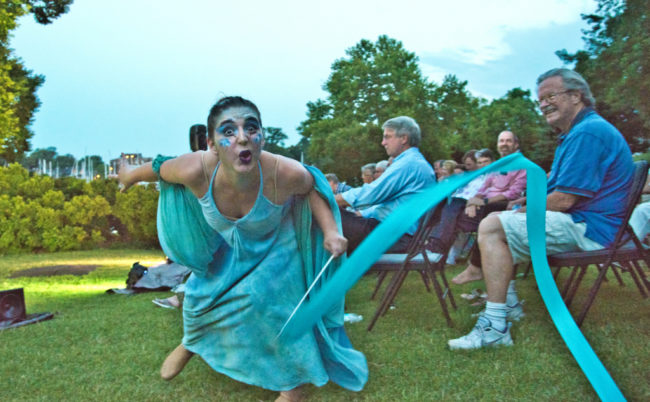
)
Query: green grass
[{"x": 110, "y": 347}]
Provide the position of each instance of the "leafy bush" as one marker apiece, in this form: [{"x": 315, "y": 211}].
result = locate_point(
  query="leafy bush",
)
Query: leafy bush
[
  {"x": 137, "y": 209},
  {"x": 38, "y": 213}
]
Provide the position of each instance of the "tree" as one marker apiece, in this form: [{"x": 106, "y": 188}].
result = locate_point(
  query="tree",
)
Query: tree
[
  {"x": 376, "y": 81},
  {"x": 616, "y": 63},
  {"x": 274, "y": 140},
  {"x": 31, "y": 162},
  {"x": 64, "y": 163},
  {"x": 516, "y": 112},
  {"x": 18, "y": 100}
]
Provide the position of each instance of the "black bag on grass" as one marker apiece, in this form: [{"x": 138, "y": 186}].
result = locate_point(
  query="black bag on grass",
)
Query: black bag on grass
[{"x": 137, "y": 271}]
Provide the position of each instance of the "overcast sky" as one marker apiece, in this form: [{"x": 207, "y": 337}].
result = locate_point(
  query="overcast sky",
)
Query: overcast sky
[{"x": 134, "y": 75}]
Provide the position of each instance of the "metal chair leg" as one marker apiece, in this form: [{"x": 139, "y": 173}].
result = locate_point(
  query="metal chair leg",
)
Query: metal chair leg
[
  {"x": 380, "y": 280},
  {"x": 574, "y": 289},
  {"x": 592, "y": 294}
]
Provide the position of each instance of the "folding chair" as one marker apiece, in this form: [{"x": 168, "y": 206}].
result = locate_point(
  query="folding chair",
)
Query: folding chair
[
  {"x": 416, "y": 258},
  {"x": 626, "y": 252}
]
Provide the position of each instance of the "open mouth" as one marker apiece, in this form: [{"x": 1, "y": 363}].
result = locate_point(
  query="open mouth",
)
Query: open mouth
[
  {"x": 548, "y": 110},
  {"x": 245, "y": 157}
]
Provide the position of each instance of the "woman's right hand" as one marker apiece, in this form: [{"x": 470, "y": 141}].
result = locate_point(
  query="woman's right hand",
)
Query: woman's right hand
[{"x": 124, "y": 176}]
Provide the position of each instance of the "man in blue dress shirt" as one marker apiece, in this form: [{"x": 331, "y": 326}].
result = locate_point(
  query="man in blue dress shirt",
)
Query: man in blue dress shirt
[{"x": 407, "y": 175}]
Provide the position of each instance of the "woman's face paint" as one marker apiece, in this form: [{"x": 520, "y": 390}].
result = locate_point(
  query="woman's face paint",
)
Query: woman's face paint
[{"x": 240, "y": 137}]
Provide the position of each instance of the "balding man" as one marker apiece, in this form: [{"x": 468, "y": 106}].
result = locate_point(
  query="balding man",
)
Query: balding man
[{"x": 464, "y": 212}]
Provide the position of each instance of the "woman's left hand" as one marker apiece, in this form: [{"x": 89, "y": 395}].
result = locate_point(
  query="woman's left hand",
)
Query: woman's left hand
[{"x": 335, "y": 243}]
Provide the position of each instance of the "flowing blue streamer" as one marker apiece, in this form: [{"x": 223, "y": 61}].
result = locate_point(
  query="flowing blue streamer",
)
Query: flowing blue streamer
[{"x": 401, "y": 219}]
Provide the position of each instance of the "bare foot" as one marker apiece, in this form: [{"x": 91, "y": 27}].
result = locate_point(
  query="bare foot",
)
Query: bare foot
[
  {"x": 471, "y": 273},
  {"x": 175, "y": 362},
  {"x": 293, "y": 395}
]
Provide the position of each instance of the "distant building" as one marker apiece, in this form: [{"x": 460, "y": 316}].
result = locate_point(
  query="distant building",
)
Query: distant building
[{"x": 131, "y": 159}]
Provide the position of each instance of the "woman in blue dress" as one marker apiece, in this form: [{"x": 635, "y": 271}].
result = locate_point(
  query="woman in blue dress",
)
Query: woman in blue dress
[{"x": 240, "y": 218}]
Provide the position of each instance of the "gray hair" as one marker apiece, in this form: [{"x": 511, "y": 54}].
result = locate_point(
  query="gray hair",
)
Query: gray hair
[
  {"x": 368, "y": 166},
  {"x": 572, "y": 81},
  {"x": 405, "y": 126},
  {"x": 332, "y": 177},
  {"x": 382, "y": 165}
]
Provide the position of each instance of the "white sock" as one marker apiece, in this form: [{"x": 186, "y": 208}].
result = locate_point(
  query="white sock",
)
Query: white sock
[
  {"x": 496, "y": 313},
  {"x": 511, "y": 297}
]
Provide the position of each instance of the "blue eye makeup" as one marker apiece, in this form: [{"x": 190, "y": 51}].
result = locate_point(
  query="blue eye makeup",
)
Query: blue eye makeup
[
  {"x": 251, "y": 125},
  {"x": 224, "y": 143},
  {"x": 227, "y": 130}
]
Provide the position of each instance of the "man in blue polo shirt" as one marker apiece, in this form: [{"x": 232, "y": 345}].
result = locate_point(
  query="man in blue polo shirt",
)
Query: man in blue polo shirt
[
  {"x": 590, "y": 177},
  {"x": 407, "y": 175}
]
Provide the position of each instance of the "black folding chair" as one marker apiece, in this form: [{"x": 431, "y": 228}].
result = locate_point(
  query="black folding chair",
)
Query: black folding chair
[
  {"x": 416, "y": 258},
  {"x": 624, "y": 254}
]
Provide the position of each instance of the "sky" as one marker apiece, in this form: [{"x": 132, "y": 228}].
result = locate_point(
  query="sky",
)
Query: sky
[{"x": 134, "y": 75}]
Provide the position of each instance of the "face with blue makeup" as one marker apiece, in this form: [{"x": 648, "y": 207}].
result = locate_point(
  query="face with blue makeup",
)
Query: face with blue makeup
[{"x": 239, "y": 137}]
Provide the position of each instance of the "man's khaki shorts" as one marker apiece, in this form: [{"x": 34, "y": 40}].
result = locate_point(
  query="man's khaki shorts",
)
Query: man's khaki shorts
[{"x": 562, "y": 234}]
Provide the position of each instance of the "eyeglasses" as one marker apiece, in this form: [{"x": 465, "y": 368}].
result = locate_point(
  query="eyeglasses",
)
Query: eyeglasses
[{"x": 552, "y": 97}]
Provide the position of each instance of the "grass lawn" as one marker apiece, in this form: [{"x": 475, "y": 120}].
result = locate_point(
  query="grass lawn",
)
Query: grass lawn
[{"x": 110, "y": 347}]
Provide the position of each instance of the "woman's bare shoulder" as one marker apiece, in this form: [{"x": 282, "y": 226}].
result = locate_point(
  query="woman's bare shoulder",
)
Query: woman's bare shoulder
[
  {"x": 188, "y": 169},
  {"x": 291, "y": 174}
]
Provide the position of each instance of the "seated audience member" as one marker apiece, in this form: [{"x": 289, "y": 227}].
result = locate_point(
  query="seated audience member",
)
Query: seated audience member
[
  {"x": 590, "y": 178},
  {"x": 469, "y": 160},
  {"x": 437, "y": 168},
  {"x": 448, "y": 168},
  {"x": 640, "y": 219},
  {"x": 380, "y": 168},
  {"x": 368, "y": 173},
  {"x": 408, "y": 175},
  {"x": 456, "y": 204},
  {"x": 498, "y": 193},
  {"x": 493, "y": 195},
  {"x": 336, "y": 185}
]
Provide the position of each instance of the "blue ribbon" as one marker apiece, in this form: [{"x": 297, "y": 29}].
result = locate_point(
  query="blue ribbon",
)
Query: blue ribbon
[{"x": 403, "y": 217}]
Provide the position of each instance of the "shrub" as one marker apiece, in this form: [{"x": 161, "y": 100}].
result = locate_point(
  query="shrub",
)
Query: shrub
[
  {"x": 137, "y": 209},
  {"x": 40, "y": 213}
]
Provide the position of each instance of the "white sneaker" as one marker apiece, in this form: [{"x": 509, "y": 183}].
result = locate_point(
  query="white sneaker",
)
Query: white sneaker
[
  {"x": 516, "y": 312},
  {"x": 482, "y": 335}
]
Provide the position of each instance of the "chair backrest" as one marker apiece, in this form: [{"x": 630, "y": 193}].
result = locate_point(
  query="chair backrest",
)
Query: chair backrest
[
  {"x": 638, "y": 182},
  {"x": 421, "y": 234}
]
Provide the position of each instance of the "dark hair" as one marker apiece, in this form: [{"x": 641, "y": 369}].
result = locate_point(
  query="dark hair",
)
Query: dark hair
[
  {"x": 470, "y": 154},
  {"x": 226, "y": 103},
  {"x": 484, "y": 153},
  {"x": 198, "y": 138}
]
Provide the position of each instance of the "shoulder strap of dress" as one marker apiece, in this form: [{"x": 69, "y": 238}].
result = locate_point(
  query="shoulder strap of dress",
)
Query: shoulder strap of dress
[
  {"x": 275, "y": 180},
  {"x": 205, "y": 169}
]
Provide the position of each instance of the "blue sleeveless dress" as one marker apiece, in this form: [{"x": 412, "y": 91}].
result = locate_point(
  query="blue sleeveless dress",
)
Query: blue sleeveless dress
[{"x": 237, "y": 302}]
